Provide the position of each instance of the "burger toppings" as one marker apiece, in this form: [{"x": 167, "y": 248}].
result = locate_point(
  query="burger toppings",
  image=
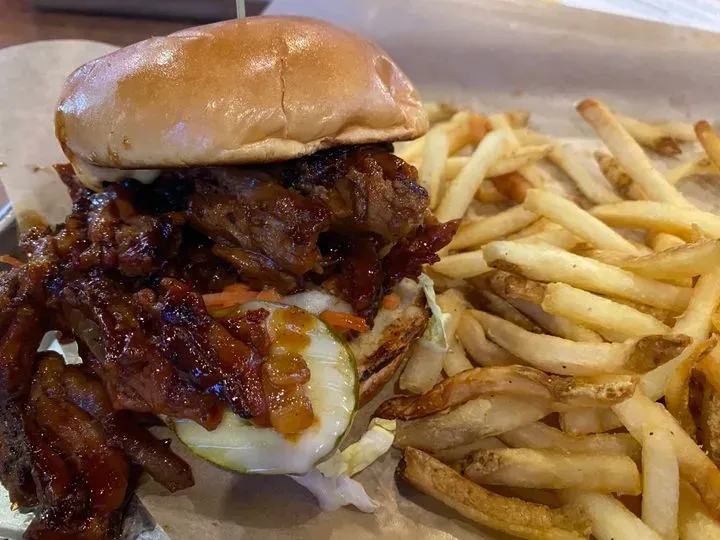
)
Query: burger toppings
[{"x": 147, "y": 277}]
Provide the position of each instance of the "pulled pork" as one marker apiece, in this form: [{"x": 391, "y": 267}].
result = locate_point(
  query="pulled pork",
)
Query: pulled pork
[{"x": 124, "y": 277}]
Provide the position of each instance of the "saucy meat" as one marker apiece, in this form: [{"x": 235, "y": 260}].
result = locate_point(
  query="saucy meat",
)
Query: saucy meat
[{"x": 124, "y": 276}]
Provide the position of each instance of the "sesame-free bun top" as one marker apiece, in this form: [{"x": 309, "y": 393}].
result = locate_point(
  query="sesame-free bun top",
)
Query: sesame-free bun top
[{"x": 243, "y": 91}]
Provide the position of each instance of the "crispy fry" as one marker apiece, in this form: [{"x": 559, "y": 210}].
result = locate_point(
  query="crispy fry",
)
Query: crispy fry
[
  {"x": 706, "y": 401},
  {"x": 543, "y": 437},
  {"x": 510, "y": 162},
  {"x": 709, "y": 140},
  {"x": 557, "y": 326},
  {"x": 462, "y": 265},
  {"x": 501, "y": 307},
  {"x": 434, "y": 156},
  {"x": 576, "y": 220},
  {"x": 547, "y": 263},
  {"x": 662, "y": 241},
  {"x": 452, "y": 455},
  {"x": 640, "y": 267},
  {"x": 473, "y": 420},
  {"x": 519, "y": 381},
  {"x": 513, "y": 186},
  {"x": 639, "y": 413},
  {"x": 695, "y": 521},
  {"x": 661, "y": 483},
  {"x": 482, "y": 352},
  {"x": 610, "y": 520},
  {"x": 460, "y": 192},
  {"x": 686, "y": 260},
  {"x": 590, "y": 187},
  {"x": 618, "y": 178},
  {"x": 651, "y": 136},
  {"x": 548, "y": 469},
  {"x": 558, "y": 237},
  {"x": 677, "y": 390},
  {"x": 565, "y": 357},
  {"x": 660, "y": 217},
  {"x": 423, "y": 368},
  {"x": 493, "y": 227},
  {"x": 531, "y": 172},
  {"x": 517, "y": 118},
  {"x": 514, "y": 287},
  {"x": 700, "y": 165},
  {"x": 509, "y": 515},
  {"x": 628, "y": 153},
  {"x": 439, "y": 112},
  {"x": 455, "y": 360},
  {"x": 584, "y": 421},
  {"x": 599, "y": 313}
]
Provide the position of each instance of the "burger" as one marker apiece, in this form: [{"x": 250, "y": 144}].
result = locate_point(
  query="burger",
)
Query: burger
[{"x": 240, "y": 263}]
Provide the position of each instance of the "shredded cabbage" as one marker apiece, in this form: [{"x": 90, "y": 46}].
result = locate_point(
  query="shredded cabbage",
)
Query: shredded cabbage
[
  {"x": 331, "y": 481},
  {"x": 435, "y": 332},
  {"x": 69, "y": 351}
]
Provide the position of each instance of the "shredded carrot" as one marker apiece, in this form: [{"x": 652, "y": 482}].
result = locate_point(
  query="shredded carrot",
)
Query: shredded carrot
[
  {"x": 391, "y": 301},
  {"x": 228, "y": 298},
  {"x": 269, "y": 295},
  {"x": 236, "y": 287},
  {"x": 9, "y": 259},
  {"x": 344, "y": 321}
]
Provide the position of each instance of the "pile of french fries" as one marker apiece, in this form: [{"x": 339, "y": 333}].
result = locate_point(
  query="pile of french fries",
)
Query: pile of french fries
[{"x": 580, "y": 394}]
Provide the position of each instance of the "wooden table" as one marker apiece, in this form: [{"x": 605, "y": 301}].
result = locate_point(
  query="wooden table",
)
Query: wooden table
[{"x": 21, "y": 24}]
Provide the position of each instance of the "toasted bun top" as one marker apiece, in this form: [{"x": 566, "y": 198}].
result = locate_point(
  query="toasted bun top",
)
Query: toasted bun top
[{"x": 243, "y": 91}]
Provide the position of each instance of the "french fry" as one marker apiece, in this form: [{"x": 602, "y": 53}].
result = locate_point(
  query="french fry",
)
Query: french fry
[
  {"x": 517, "y": 118},
  {"x": 651, "y": 136},
  {"x": 510, "y": 162},
  {"x": 423, "y": 368},
  {"x": 706, "y": 385},
  {"x": 642, "y": 268},
  {"x": 700, "y": 165},
  {"x": 455, "y": 360},
  {"x": 709, "y": 140},
  {"x": 565, "y": 357},
  {"x": 519, "y": 381},
  {"x": 531, "y": 172},
  {"x": 677, "y": 392},
  {"x": 696, "y": 320},
  {"x": 512, "y": 186},
  {"x": 509, "y": 515},
  {"x": 660, "y": 217},
  {"x": 453, "y": 455},
  {"x": 540, "y": 436},
  {"x": 439, "y": 112},
  {"x": 501, "y": 307},
  {"x": 628, "y": 153},
  {"x": 514, "y": 287},
  {"x": 460, "y": 192},
  {"x": 599, "y": 313},
  {"x": 557, "y": 326},
  {"x": 663, "y": 241},
  {"x": 618, "y": 178},
  {"x": 482, "y": 352},
  {"x": 473, "y": 420},
  {"x": 453, "y": 304},
  {"x": 686, "y": 260},
  {"x": 462, "y": 265},
  {"x": 576, "y": 220},
  {"x": 609, "y": 519},
  {"x": 434, "y": 156},
  {"x": 547, "y": 263},
  {"x": 639, "y": 413},
  {"x": 488, "y": 193},
  {"x": 590, "y": 420},
  {"x": 558, "y": 237},
  {"x": 591, "y": 188},
  {"x": 695, "y": 522},
  {"x": 491, "y": 228},
  {"x": 661, "y": 483},
  {"x": 547, "y": 469}
]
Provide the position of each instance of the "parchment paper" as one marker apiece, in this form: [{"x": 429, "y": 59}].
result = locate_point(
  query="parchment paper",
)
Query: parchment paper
[{"x": 490, "y": 55}]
